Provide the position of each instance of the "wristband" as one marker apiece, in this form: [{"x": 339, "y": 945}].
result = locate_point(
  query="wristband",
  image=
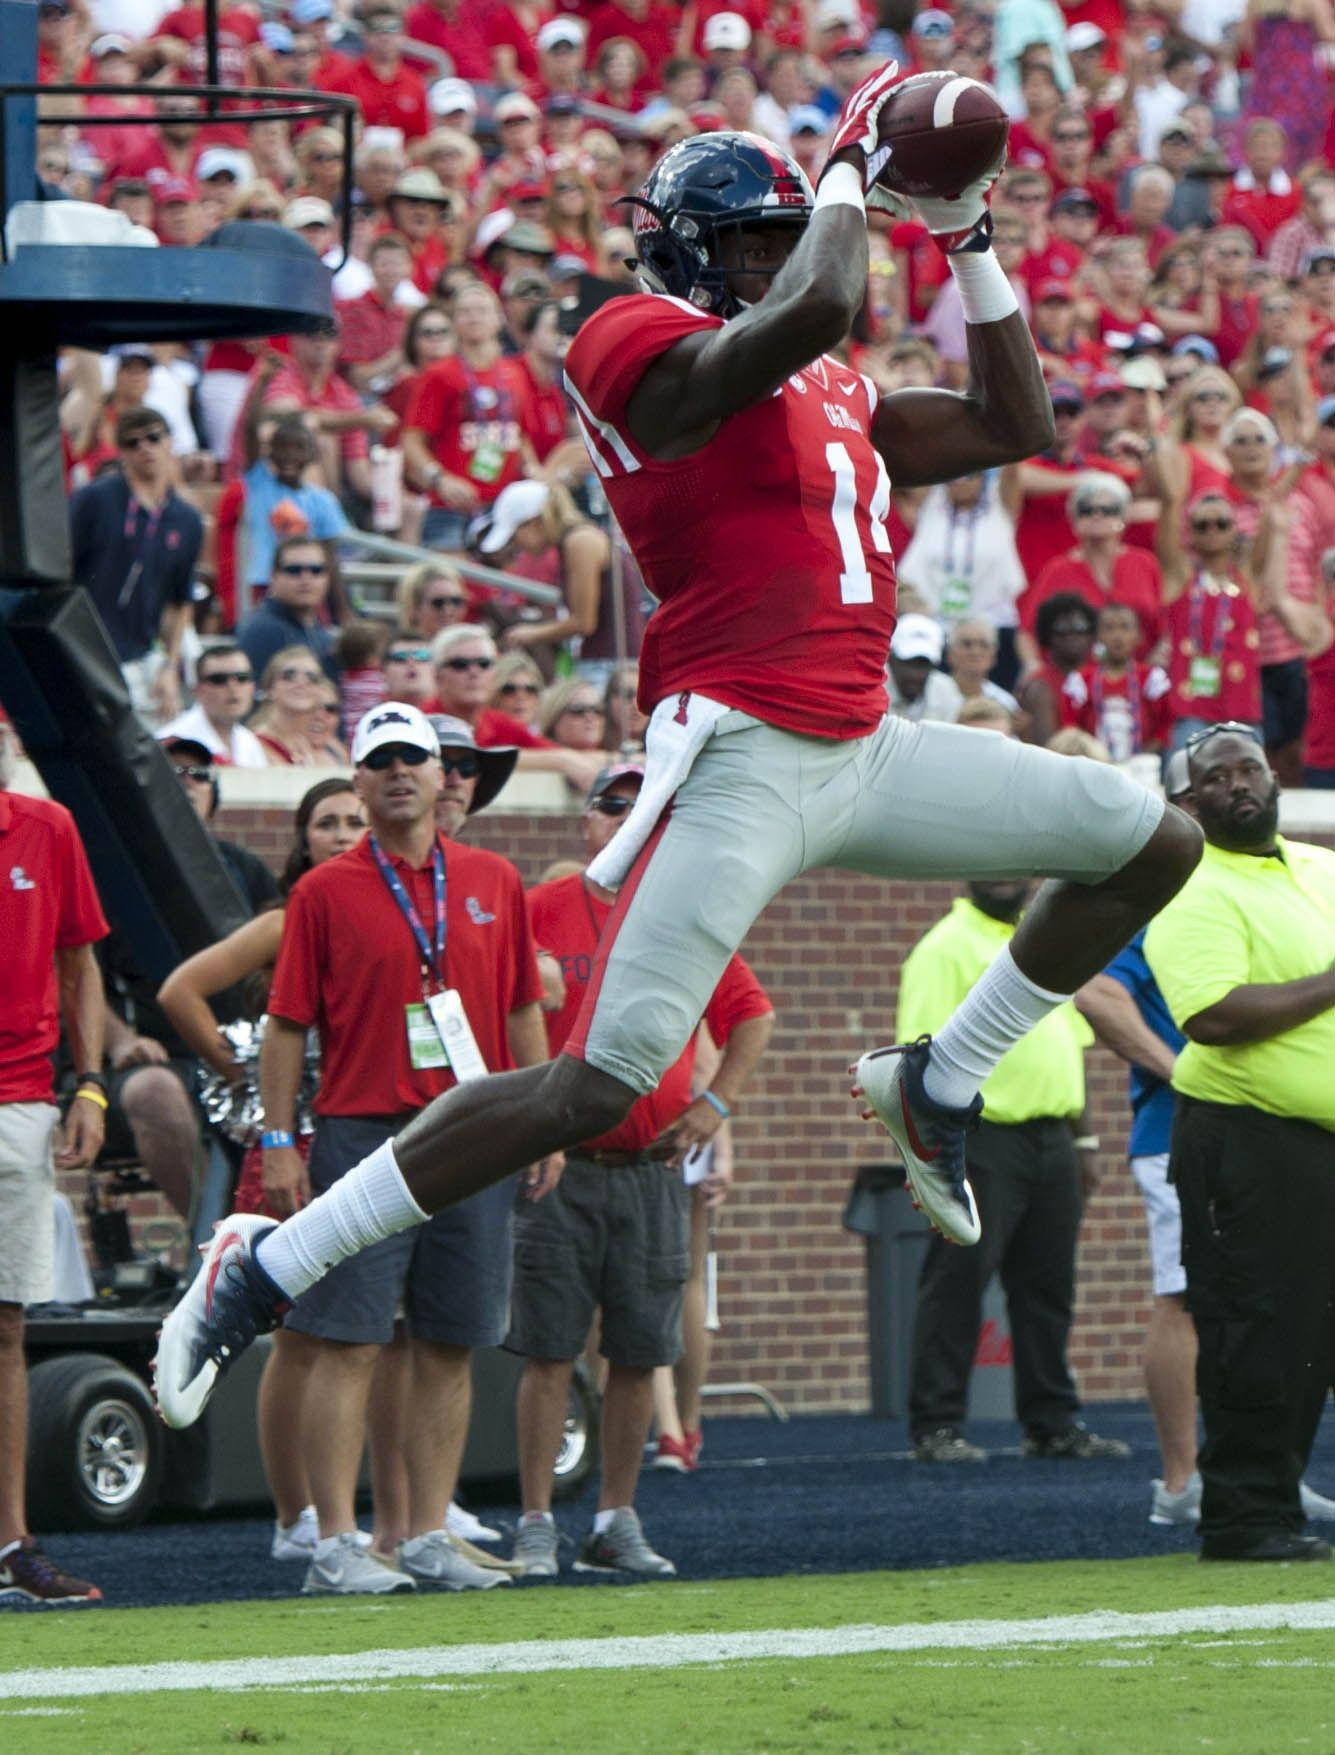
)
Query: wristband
[
  {"x": 91, "y": 1094},
  {"x": 986, "y": 296},
  {"x": 1086, "y": 1142},
  {"x": 276, "y": 1139},
  {"x": 717, "y": 1104},
  {"x": 92, "y": 1078},
  {"x": 841, "y": 186}
]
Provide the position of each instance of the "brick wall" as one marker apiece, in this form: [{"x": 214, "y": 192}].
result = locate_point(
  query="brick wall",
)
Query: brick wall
[{"x": 791, "y": 1290}]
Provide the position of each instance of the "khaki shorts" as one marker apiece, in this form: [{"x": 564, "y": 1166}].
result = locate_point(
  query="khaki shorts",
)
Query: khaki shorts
[
  {"x": 760, "y": 806},
  {"x": 27, "y": 1185}
]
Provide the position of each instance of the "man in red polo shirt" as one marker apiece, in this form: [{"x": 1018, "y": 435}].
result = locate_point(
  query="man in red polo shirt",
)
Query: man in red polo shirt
[
  {"x": 614, "y": 1234},
  {"x": 389, "y": 93},
  {"x": 49, "y": 921},
  {"x": 412, "y": 957}
]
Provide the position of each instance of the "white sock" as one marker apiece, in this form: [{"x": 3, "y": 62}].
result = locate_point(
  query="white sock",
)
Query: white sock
[
  {"x": 602, "y": 1520},
  {"x": 537, "y": 1517},
  {"x": 993, "y": 1016},
  {"x": 367, "y": 1205}
]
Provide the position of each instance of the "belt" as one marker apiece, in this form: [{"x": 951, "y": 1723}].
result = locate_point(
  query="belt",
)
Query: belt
[{"x": 618, "y": 1160}]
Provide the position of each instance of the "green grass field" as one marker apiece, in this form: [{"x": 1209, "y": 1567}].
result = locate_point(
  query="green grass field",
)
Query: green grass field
[{"x": 1113, "y": 1658}]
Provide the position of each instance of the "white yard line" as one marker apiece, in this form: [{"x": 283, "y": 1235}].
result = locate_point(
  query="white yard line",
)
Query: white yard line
[{"x": 661, "y": 1651}]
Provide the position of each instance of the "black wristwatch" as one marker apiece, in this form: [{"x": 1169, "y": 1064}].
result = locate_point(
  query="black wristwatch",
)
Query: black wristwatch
[{"x": 93, "y": 1078}]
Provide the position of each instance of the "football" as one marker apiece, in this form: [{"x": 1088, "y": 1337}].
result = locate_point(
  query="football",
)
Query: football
[{"x": 943, "y": 131}]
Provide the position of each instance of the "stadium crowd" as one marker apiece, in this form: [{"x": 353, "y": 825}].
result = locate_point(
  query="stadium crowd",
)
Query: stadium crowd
[{"x": 1167, "y": 218}]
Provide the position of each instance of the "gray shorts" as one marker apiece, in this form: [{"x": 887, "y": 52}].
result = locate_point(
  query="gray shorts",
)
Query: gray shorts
[
  {"x": 761, "y": 805},
  {"x": 616, "y": 1239},
  {"x": 27, "y": 1185},
  {"x": 451, "y": 1276}
]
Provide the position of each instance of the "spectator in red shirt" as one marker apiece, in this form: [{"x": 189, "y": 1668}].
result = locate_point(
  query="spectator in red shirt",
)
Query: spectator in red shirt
[
  {"x": 539, "y": 519},
  {"x": 650, "y": 25},
  {"x": 388, "y": 92},
  {"x": 1072, "y": 148},
  {"x": 1149, "y": 196},
  {"x": 1061, "y": 253},
  {"x": 463, "y": 659},
  {"x": 1192, "y": 456},
  {"x": 546, "y": 418},
  {"x": 511, "y": 28},
  {"x": 1052, "y": 693},
  {"x": 1263, "y": 195},
  {"x": 50, "y": 919},
  {"x": 428, "y": 336},
  {"x": 431, "y": 218},
  {"x": 1226, "y": 260},
  {"x": 371, "y": 327},
  {"x": 463, "y": 440},
  {"x": 459, "y": 28},
  {"x": 320, "y": 162},
  {"x": 521, "y": 158},
  {"x": 238, "y": 32},
  {"x": 1213, "y": 646},
  {"x": 1100, "y": 568},
  {"x": 1043, "y": 529},
  {"x": 309, "y": 384},
  {"x": 170, "y": 149},
  {"x": 1063, "y": 354},
  {"x": 573, "y": 218},
  {"x": 1031, "y": 139},
  {"x": 377, "y": 168},
  {"x": 1123, "y": 311},
  {"x": 560, "y": 45},
  {"x": 389, "y": 951},
  {"x": 1128, "y": 699},
  {"x": 621, "y": 1201}
]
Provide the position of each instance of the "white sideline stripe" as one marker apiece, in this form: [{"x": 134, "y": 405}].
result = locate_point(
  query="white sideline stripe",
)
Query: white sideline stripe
[
  {"x": 943, "y": 109},
  {"x": 660, "y": 1651}
]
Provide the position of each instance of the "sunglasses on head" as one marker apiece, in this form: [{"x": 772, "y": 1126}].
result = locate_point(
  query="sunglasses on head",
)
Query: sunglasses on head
[
  {"x": 613, "y": 806},
  {"x": 1225, "y": 728},
  {"x": 228, "y": 676},
  {"x": 1219, "y": 522},
  {"x": 295, "y": 569},
  {"x": 447, "y": 602},
  {"x": 409, "y": 655},
  {"x": 295, "y": 673},
  {"x": 465, "y": 763},
  {"x": 462, "y": 664},
  {"x": 143, "y": 439},
  {"x": 388, "y": 753}
]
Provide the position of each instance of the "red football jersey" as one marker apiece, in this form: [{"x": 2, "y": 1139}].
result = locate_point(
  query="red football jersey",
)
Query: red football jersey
[{"x": 766, "y": 548}]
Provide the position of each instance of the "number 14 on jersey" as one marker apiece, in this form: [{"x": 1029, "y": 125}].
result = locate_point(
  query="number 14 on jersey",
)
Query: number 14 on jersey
[{"x": 855, "y": 578}]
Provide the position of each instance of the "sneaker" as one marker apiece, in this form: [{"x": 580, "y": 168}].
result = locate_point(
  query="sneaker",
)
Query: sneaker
[
  {"x": 435, "y": 1559},
  {"x": 1315, "y": 1505},
  {"x": 297, "y": 1540},
  {"x": 1075, "y": 1444},
  {"x": 27, "y": 1576},
  {"x": 535, "y": 1549},
  {"x": 347, "y": 1568},
  {"x": 682, "y": 1455},
  {"x": 468, "y": 1528},
  {"x": 622, "y": 1548},
  {"x": 488, "y": 1562},
  {"x": 946, "y": 1445},
  {"x": 230, "y": 1301},
  {"x": 1183, "y": 1507},
  {"x": 930, "y": 1137}
]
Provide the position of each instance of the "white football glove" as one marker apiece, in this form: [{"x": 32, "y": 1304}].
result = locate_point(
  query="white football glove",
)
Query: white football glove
[
  {"x": 957, "y": 223},
  {"x": 857, "y": 124}
]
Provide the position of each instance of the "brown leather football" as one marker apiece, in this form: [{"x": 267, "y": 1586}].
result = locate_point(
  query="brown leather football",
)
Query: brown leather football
[{"x": 944, "y": 132}]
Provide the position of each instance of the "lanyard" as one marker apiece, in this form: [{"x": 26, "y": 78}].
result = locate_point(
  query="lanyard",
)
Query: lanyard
[
  {"x": 146, "y": 539},
  {"x": 1223, "y": 618},
  {"x": 433, "y": 957},
  {"x": 968, "y": 516},
  {"x": 486, "y": 402},
  {"x": 1132, "y": 700}
]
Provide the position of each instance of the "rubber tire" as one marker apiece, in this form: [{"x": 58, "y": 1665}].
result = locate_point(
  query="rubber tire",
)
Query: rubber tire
[
  {"x": 61, "y": 1393},
  {"x": 578, "y": 1456}
]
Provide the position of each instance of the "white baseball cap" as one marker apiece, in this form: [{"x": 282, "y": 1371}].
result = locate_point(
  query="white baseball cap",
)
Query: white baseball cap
[
  {"x": 215, "y": 159},
  {"x": 561, "y": 33},
  {"x": 1083, "y": 36},
  {"x": 918, "y": 636},
  {"x": 450, "y": 97},
  {"x": 514, "y": 506},
  {"x": 727, "y": 30},
  {"x": 393, "y": 722}
]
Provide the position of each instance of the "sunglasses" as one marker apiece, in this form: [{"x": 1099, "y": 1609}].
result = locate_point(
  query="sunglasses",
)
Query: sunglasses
[
  {"x": 294, "y": 673},
  {"x": 142, "y": 439},
  {"x": 326, "y": 158},
  {"x": 1209, "y": 396},
  {"x": 1065, "y": 630},
  {"x": 462, "y": 664},
  {"x": 228, "y": 676},
  {"x": 295, "y": 569},
  {"x": 1098, "y": 511},
  {"x": 613, "y": 807},
  {"x": 518, "y": 688},
  {"x": 380, "y": 759},
  {"x": 465, "y": 763},
  {"x": 437, "y": 332},
  {"x": 1212, "y": 523},
  {"x": 1071, "y": 136},
  {"x": 447, "y": 602},
  {"x": 592, "y": 711},
  {"x": 204, "y": 775},
  {"x": 409, "y": 655},
  {"x": 567, "y": 189}
]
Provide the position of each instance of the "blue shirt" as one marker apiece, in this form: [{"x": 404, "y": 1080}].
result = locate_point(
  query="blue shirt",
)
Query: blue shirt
[
  {"x": 1151, "y": 1097},
  {"x": 132, "y": 562},
  {"x": 324, "y": 517}
]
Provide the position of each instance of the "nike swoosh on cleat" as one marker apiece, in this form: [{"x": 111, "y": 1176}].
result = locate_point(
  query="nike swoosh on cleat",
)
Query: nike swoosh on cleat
[
  {"x": 232, "y": 1237},
  {"x": 918, "y": 1147}
]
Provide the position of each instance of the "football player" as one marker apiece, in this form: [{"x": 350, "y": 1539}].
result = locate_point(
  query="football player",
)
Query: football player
[{"x": 750, "y": 470}]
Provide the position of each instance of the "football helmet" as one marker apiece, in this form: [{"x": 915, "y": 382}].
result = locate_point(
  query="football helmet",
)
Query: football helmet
[{"x": 699, "y": 189}]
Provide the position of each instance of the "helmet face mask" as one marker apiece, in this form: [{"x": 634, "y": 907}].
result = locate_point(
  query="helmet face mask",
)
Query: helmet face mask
[{"x": 701, "y": 190}]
